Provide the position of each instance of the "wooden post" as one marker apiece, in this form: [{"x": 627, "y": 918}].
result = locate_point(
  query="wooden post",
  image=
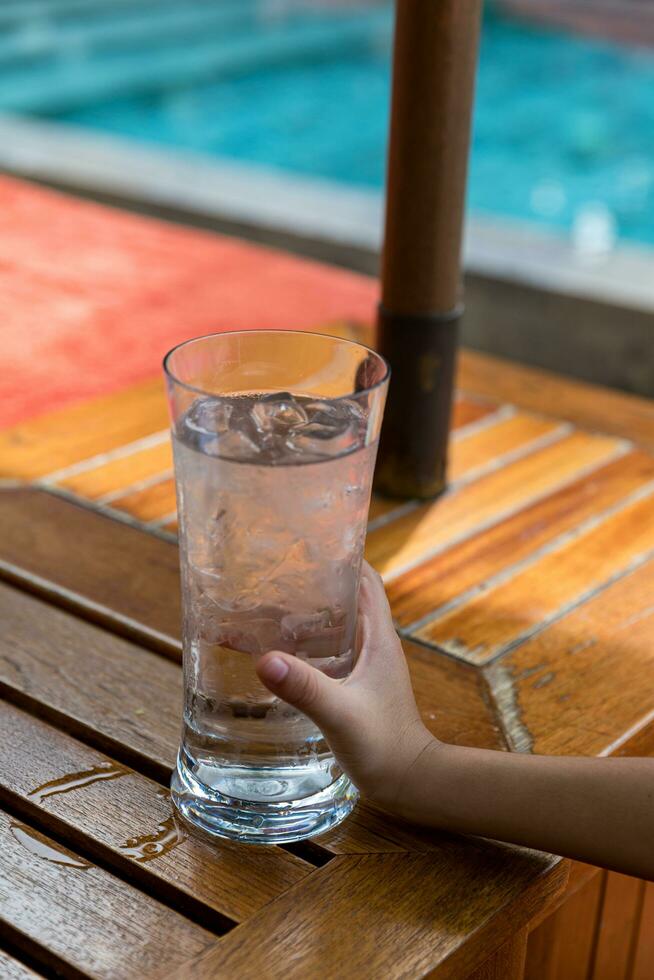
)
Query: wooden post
[{"x": 433, "y": 81}]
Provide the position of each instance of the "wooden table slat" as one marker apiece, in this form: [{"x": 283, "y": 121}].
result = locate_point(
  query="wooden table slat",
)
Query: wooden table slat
[
  {"x": 500, "y": 615},
  {"x": 430, "y": 527},
  {"x": 121, "y": 473},
  {"x": 13, "y": 969},
  {"x": 125, "y": 819},
  {"x": 72, "y": 915},
  {"x": 586, "y": 405},
  {"x": 444, "y": 912},
  {"x": 467, "y": 409},
  {"x": 585, "y": 685},
  {"x": 618, "y": 925},
  {"x": 150, "y": 504},
  {"x": 50, "y": 443},
  {"x": 644, "y": 950},
  {"x": 105, "y": 570},
  {"x": 561, "y": 947},
  {"x": 491, "y": 445},
  {"x": 463, "y": 567}
]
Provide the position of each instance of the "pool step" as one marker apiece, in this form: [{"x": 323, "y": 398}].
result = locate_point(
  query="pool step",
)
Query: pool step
[
  {"x": 67, "y": 84},
  {"x": 46, "y": 40}
]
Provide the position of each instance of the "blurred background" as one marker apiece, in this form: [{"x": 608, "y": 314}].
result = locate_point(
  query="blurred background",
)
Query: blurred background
[{"x": 269, "y": 118}]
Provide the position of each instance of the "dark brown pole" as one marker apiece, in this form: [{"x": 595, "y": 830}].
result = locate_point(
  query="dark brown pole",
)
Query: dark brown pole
[{"x": 434, "y": 66}]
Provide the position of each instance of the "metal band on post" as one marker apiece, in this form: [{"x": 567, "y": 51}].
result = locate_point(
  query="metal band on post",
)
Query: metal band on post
[{"x": 413, "y": 449}]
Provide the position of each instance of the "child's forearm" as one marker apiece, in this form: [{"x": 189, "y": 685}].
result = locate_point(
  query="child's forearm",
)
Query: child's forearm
[{"x": 595, "y": 810}]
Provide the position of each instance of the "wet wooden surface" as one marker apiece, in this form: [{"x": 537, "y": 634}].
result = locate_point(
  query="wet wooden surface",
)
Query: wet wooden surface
[
  {"x": 76, "y": 916},
  {"x": 523, "y": 598}
]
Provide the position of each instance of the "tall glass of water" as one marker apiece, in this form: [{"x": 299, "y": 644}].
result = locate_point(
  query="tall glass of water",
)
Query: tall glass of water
[{"x": 275, "y": 436}]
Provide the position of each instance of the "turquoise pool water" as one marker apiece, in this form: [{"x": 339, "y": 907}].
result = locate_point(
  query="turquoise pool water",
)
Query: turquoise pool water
[{"x": 562, "y": 123}]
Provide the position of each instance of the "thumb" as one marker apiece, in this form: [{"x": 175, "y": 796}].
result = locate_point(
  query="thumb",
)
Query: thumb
[{"x": 305, "y": 687}]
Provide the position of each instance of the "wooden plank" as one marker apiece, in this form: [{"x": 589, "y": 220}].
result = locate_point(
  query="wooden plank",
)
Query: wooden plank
[
  {"x": 584, "y": 404},
  {"x": 452, "y": 698},
  {"x": 105, "y": 570},
  {"x": 59, "y": 439},
  {"x": 92, "y": 681},
  {"x": 585, "y": 685},
  {"x": 493, "y": 443},
  {"x": 451, "y": 573},
  {"x": 644, "y": 951},
  {"x": 443, "y": 912},
  {"x": 431, "y": 527},
  {"x": 120, "y": 473},
  {"x": 150, "y": 504},
  {"x": 618, "y": 927},
  {"x": 69, "y": 914},
  {"x": 467, "y": 410},
  {"x": 499, "y": 616},
  {"x": 11, "y": 969},
  {"x": 78, "y": 794},
  {"x": 508, "y": 963},
  {"x": 561, "y": 947}
]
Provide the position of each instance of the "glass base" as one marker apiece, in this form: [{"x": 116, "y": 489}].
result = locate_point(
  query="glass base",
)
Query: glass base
[{"x": 260, "y": 822}]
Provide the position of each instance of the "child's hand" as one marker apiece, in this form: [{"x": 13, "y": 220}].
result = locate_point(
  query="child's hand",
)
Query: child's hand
[
  {"x": 595, "y": 810},
  {"x": 370, "y": 720}
]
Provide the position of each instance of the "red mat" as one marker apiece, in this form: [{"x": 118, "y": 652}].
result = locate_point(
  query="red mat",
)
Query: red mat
[{"x": 93, "y": 297}]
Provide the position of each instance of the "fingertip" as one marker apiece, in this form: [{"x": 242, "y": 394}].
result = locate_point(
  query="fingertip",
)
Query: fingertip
[{"x": 272, "y": 668}]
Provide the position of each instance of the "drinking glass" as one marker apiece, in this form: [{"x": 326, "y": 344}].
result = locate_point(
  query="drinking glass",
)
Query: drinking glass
[{"x": 275, "y": 436}]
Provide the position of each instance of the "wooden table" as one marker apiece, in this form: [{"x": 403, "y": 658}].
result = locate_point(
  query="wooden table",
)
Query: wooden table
[{"x": 524, "y": 598}]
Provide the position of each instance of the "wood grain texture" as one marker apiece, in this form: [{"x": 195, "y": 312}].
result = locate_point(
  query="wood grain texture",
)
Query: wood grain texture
[
  {"x": 59, "y": 439},
  {"x": 508, "y": 963},
  {"x": 561, "y": 947},
  {"x": 12, "y": 969},
  {"x": 541, "y": 391},
  {"x": 71, "y": 915},
  {"x": 444, "y": 912},
  {"x": 78, "y": 794},
  {"x": 462, "y": 567},
  {"x": 435, "y": 526},
  {"x": 91, "y": 681},
  {"x": 585, "y": 685},
  {"x": 121, "y": 473},
  {"x": 105, "y": 570},
  {"x": 644, "y": 952},
  {"x": 618, "y": 927},
  {"x": 150, "y": 504},
  {"x": 453, "y": 699},
  {"x": 579, "y": 875},
  {"x": 493, "y": 443},
  {"x": 499, "y": 616}
]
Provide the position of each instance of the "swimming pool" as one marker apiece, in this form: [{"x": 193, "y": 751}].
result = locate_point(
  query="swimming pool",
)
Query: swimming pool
[{"x": 564, "y": 126}]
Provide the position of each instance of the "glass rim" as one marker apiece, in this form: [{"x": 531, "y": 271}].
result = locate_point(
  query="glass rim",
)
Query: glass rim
[{"x": 302, "y": 333}]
